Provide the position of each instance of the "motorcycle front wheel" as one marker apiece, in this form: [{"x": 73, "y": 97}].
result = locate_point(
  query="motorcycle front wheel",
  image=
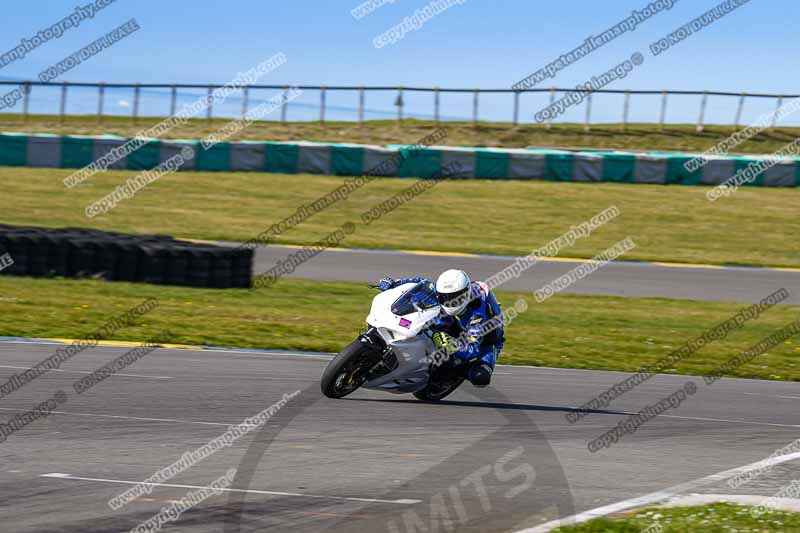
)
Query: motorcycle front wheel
[{"x": 345, "y": 373}]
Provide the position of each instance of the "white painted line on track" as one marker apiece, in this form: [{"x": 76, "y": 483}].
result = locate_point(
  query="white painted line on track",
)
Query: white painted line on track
[
  {"x": 249, "y": 491},
  {"x": 83, "y": 372},
  {"x": 748, "y": 422},
  {"x": 661, "y": 495},
  {"x": 772, "y": 395},
  {"x": 618, "y": 412},
  {"x": 240, "y": 352},
  {"x": 324, "y": 356},
  {"x": 94, "y": 415}
]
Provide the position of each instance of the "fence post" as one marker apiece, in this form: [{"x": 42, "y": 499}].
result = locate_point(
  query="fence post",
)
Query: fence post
[
  {"x": 322, "y": 105},
  {"x": 173, "y": 101},
  {"x": 702, "y": 118},
  {"x": 475, "y": 108},
  {"x": 436, "y": 104},
  {"x": 245, "y": 98},
  {"x": 777, "y": 109},
  {"x": 738, "y": 119},
  {"x": 663, "y": 109},
  {"x": 552, "y": 101},
  {"x": 625, "y": 109},
  {"x": 361, "y": 106},
  {"x": 100, "y": 97},
  {"x": 210, "y": 101},
  {"x": 587, "y": 120},
  {"x": 516, "y": 107},
  {"x": 62, "y": 109},
  {"x": 285, "y": 105},
  {"x": 136, "y": 91},
  {"x": 26, "y": 90},
  {"x": 399, "y": 103}
]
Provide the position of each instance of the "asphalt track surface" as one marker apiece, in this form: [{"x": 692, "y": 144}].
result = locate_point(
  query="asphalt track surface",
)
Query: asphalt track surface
[
  {"x": 729, "y": 284},
  {"x": 499, "y": 459}
]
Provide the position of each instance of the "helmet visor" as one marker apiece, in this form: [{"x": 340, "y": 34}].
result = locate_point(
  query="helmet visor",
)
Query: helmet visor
[{"x": 452, "y": 299}]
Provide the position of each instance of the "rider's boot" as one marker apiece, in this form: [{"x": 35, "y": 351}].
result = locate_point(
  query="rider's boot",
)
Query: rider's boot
[{"x": 480, "y": 372}]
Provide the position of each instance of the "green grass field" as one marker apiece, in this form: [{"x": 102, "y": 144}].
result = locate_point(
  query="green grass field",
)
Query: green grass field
[
  {"x": 679, "y": 137},
  {"x": 715, "y": 518},
  {"x": 668, "y": 223},
  {"x": 756, "y": 226},
  {"x": 565, "y": 331}
]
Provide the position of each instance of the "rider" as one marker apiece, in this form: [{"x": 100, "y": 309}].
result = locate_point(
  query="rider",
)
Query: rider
[{"x": 466, "y": 306}]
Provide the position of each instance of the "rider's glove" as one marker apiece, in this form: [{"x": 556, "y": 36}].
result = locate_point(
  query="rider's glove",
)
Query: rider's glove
[
  {"x": 442, "y": 341},
  {"x": 386, "y": 283}
]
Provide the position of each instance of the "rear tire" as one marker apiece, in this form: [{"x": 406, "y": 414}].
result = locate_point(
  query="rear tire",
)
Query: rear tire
[
  {"x": 341, "y": 375},
  {"x": 434, "y": 392}
]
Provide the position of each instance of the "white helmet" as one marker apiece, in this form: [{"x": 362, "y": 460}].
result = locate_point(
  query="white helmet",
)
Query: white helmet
[{"x": 452, "y": 289}]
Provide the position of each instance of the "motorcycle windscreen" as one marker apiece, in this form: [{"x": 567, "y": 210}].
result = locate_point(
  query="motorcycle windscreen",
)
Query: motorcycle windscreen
[{"x": 422, "y": 295}]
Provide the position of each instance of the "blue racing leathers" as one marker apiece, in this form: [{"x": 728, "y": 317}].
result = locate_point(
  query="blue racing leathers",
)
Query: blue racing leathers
[{"x": 478, "y": 330}]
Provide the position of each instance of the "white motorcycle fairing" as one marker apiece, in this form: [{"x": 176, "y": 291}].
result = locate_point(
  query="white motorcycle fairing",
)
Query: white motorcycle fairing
[{"x": 406, "y": 335}]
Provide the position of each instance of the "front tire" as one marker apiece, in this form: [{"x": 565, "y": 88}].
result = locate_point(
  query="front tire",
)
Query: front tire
[{"x": 343, "y": 375}]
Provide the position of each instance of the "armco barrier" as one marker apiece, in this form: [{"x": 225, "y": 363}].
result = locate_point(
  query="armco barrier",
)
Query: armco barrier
[
  {"x": 350, "y": 159},
  {"x": 159, "y": 259}
]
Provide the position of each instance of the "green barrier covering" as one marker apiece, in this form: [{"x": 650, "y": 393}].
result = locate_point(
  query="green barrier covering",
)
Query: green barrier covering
[
  {"x": 618, "y": 167},
  {"x": 216, "y": 158},
  {"x": 17, "y": 149},
  {"x": 491, "y": 164},
  {"x": 13, "y": 150},
  {"x": 347, "y": 160},
  {"x": 77, "y": 152},
  {"x": 559, "y": 167},
  {"x": 147, "y": 157},
  {"x": 419, "y": 163},
  {"x": 281, "y": 158},
  {"x": 677, "y": 173}
]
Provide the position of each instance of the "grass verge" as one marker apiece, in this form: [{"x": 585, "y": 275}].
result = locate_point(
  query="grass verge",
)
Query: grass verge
[
  {"x": 756, "y": 226},
  {"x": 678, "y": 137},
  {"x": 714, "y": 518},
  {"x": 567, "y": 331}
]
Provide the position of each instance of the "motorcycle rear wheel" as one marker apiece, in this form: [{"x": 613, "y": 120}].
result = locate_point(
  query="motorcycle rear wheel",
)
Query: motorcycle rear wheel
[
  {"x": 434, "y": 392},
  {"x": 343, "y": 374}
]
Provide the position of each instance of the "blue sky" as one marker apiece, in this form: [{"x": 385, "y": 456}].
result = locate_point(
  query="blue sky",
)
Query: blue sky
[{"x": 479, "y": 43}]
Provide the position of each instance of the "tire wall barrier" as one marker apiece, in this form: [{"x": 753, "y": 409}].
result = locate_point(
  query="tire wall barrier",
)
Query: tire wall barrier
[
  {"x": 90, "y": 253},
  {"x": 666, "y": 168}
]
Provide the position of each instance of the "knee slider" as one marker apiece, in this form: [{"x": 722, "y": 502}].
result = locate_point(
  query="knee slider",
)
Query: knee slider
[{"x": 480, "y": 375}]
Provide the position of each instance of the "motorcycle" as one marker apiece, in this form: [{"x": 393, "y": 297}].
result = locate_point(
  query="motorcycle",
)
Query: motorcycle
[{"x": 396, "y": 353}]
